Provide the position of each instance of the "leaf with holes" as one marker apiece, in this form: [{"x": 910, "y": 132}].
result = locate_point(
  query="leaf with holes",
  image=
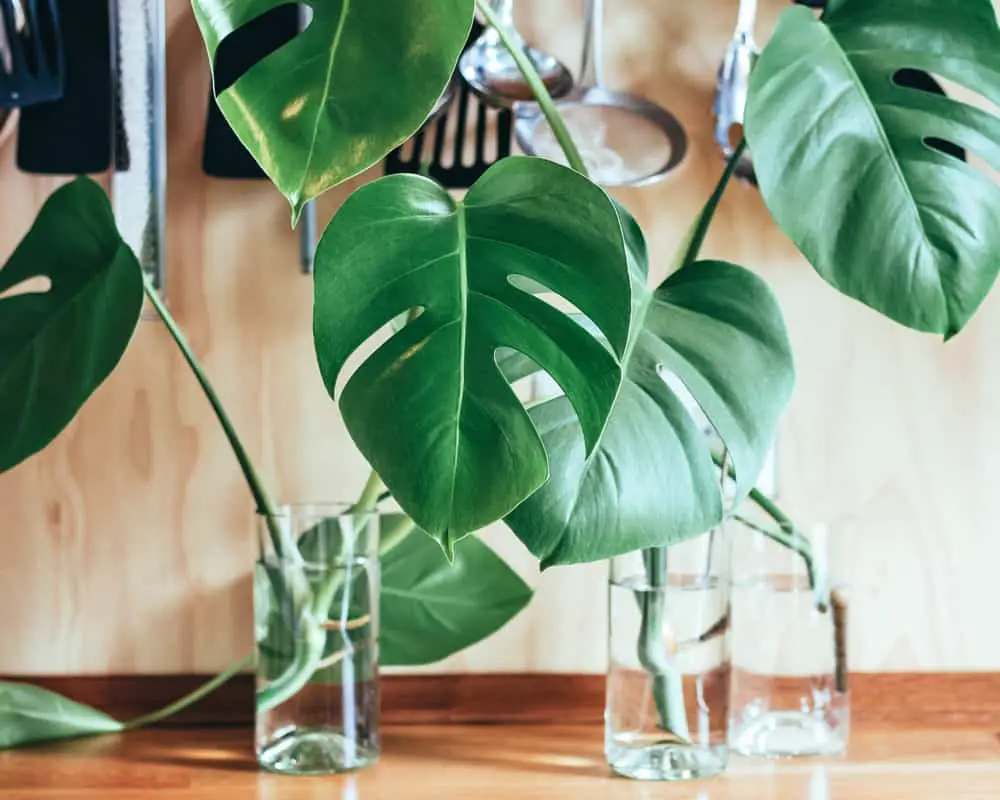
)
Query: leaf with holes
[
  {"x": 430, "y": 409},
  {"x": 57, "y": 346},
  {"x": 850, "y": 161},
  {"x": 359, "y": 81},
  {"x": 717, "y": 329},
  {"x": 432, "y": 609},
  {"x": 31, "y": 714}
]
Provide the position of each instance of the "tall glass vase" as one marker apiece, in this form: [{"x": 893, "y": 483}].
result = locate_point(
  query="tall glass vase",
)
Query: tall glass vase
[
  {"x": 668, "y": 647},
  {"x": 790, "y": 692},
  {"x": 316, "y": 600}
]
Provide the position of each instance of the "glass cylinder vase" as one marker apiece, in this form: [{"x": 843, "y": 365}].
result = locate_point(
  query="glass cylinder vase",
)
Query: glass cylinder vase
[
  {"x": 790, "y": 682},
  {"x": 668, "y": 678},
  {"x": 316, "y": 601}
]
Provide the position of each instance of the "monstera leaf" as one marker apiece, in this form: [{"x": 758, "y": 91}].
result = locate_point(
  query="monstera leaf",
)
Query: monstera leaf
[
  {"x": 432, "y": 609},
  {"x": 718, "y": 329},
  {"x": 430, "y": 409},
  {"x": 340, "y": 96},
  {"x": 850, "y": 163},
  {"x": 57, "y": 346}
]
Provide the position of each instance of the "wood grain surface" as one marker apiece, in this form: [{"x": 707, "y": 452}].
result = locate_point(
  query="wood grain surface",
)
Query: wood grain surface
[
  {"x": 128, "y": 544},
  {"x": 438, "y": 762}
]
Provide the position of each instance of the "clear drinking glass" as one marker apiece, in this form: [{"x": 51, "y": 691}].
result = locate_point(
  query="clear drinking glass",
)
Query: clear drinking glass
[
  {"x": 790, "y": 684},
  {"x": 668, "y": 678},
  {"x": 316, "y": 595}
]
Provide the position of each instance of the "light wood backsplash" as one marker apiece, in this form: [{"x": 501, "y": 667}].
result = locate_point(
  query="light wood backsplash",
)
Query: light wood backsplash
[{"x": 127, "y": 545}]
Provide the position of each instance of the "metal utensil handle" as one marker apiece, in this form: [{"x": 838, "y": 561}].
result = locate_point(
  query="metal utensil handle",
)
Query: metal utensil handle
[
  {"x": 504, "y": 10},
  {"x": 139, "y": 193},
  {"x": 747, "y": 20},
  {"x": 307, "y": 238},
  {"x": 592, "y": 68},
  {"x": 307, "y": 222}
]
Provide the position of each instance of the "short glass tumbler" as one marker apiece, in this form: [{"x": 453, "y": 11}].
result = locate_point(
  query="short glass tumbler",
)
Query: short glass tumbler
[
  {"x": 668, "y": 678},
  {"x": 790, "y": 682},
  {"x": 316, "y": 594}
]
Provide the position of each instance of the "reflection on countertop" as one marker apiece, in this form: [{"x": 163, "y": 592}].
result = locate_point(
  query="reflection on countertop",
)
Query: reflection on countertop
[{"x": 542, "y": 761}]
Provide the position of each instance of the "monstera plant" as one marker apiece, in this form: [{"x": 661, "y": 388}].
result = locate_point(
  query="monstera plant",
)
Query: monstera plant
[{"x": 616, "y": 463}]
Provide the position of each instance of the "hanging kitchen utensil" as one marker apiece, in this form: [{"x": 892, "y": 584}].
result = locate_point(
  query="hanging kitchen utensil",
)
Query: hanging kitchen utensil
[
  {"x": 307, "y": 220},
  {"x": 32, "y": 69},
  {"x": 85, "y": 109},
  {"x": 6, "y": 115},
  {"x": 625, "y": 140},
  {"x": 138, "y": 193},
  {"x": 732, "y": 87},
  {"x": 224, "y": 154},
  {"x": 442, "y": 147},
  {"x": 490, "y": 70}
]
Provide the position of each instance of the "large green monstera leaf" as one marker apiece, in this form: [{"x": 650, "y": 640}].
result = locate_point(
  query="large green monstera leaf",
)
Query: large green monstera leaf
[
  {"x": 651, "y": 482},
  {"x": 58, "y": 345},
  {"x": 842, "y": 154},
  {"x": 340, "y": 96},
  {"x": 430, "y": 409}
]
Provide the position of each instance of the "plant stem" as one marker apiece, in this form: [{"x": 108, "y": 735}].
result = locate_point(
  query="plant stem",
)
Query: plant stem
[
  {"x": 538, "y": 89},
  {"x": 314, "y": 624},
  {"x": 370, "y": 495},
  {"x": 190, "y": 699},
  {"x": 265, "y": 505},
  {"x": 786, "y": 534},
  {"x": 395, "y": 535},
  {"x": 799, "y": 545},
  {"x": 696, "y": 238},
  {"x": 667, "y": 682},
  {"x": 309, "y": 647}
]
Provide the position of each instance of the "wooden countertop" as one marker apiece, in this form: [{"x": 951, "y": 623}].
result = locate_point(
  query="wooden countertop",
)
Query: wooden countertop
[{"x": 474, "y": 762}]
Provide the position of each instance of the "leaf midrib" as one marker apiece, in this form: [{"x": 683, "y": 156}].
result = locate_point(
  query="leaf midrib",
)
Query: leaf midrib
[
  {"x": 641, "y": 312},
  {"x": 334, "y": 47},
  {"x": 463, "y": 291},
  {"x": 859, "y": 86}
]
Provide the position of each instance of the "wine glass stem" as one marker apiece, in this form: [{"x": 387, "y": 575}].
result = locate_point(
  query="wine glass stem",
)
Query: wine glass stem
[{"x": 593, "y": 44}]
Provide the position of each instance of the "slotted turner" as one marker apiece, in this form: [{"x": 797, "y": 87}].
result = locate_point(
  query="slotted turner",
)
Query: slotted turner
[
  {"x": 31, "y": 58},
  {"x": 448, "y": 163}
]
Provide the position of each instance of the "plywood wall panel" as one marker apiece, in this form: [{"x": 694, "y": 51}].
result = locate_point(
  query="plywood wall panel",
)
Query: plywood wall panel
[{"x": 128, "y": 544}]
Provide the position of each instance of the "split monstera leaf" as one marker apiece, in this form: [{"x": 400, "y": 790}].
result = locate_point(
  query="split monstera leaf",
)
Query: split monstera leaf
[
  {"x": 359, "y": 81},
  {"x": 845, "y": 158}
]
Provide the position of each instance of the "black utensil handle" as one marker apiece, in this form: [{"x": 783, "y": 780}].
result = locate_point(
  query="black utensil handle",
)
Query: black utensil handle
[
  {"x": 224, "y": 154},
  {"x": 73, "y": 135}
]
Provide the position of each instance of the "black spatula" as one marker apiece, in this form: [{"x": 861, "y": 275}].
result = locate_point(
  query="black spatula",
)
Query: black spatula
[
  {"x": 454, "y": 167},
  {"x": 224, "y": 154},
  {"x": 73, "y": 135}
]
